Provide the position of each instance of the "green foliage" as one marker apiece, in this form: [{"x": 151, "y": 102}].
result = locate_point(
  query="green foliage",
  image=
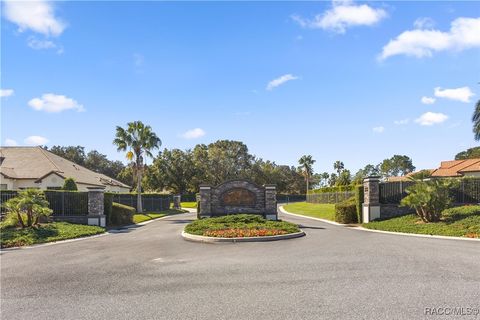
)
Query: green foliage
[
  {"x": 69, "y": 185},
  {"x": 421, "y": 175},
  {"x": 346, "y": 212},
  {"x": 429, "y": 198},
  {"x": 471, "y": 153},
  {"x": 316, "y": 210},
  {"x": 344, "y": 178},
  {"x": 306, "y": 167},
  {"x": 27, "y": 208},
  {"x": 476, "y": 121},
  {"x": 359, "y": 198},
  {"x": 458, "y": 222},
  {"x": 139, "y": 141},
  {"x": 121, "y": 214},
  {"x": 397, "y": 165},
  {"x": 333, "y": 189},
  {"x": 238, "y": 221},
  {"x": 55, "y": 231}
]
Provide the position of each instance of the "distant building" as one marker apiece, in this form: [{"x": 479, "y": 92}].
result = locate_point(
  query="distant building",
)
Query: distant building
[
  {"x": 35, "y": 167},
  {"x": 449, "y": 169}
]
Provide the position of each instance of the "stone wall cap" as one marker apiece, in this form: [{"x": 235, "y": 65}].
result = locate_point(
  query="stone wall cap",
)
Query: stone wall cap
[{"x": 372, "y": 178}]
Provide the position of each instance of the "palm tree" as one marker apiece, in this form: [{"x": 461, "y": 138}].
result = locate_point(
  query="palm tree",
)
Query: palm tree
[
  {"x": 476, "y": 121},
  {"x": 138, "y": 140},
  {"x": 306, "y": 163},
  {"x": 339, "y": 166}
]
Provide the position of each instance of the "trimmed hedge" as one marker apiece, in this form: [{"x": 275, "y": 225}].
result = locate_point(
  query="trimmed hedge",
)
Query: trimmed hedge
[
  {"x": 346, "y": 212},
  {"x": 121, "y": 214},
  {"x": 332, "y": 189},
  {"x": 359, "y": 198}
]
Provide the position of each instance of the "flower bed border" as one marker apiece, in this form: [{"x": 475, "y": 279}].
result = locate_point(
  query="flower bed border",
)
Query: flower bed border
[{"x": 197, "y": 238}]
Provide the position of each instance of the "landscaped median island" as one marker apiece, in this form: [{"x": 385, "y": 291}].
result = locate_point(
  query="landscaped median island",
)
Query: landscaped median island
[
  {"x": 458, "y": 222},
  {"x": 240, "y": 226}
]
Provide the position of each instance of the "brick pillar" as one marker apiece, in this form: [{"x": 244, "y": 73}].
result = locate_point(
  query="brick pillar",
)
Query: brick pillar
[
  {"x": 271, "y": 202},
  {"x": 371, "y": 204},
  {"x": 205, "y": 201},
  {"x": 96, "y": 216}
]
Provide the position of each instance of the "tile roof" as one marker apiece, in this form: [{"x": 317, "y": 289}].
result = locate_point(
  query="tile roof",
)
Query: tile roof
[
  {"x": 455, "y": 168},
  {"x": 36, "y": 163}
]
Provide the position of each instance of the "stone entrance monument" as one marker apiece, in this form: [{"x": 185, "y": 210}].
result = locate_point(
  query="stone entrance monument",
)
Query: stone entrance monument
[{"x": 238, "y": 196}]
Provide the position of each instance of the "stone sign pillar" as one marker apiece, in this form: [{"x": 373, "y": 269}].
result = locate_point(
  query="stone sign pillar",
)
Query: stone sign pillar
[
  {"x": 271, "y": 202},
  {"x": 205, "y": 201},
  {"x": 371, "y": 204},
  {"x": 96, "y": 216}
]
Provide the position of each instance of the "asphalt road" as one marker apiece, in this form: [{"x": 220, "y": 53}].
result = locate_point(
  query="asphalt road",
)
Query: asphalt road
[{"x": 150, "y": 272}]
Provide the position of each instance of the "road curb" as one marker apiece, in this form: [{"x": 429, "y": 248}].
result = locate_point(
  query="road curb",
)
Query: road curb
[
  {"x": 197, "y": 238},
  {"x": 418, "y": 235},
  {"x": 282, "y": 210},
  {"x": 106, "y": 233}
]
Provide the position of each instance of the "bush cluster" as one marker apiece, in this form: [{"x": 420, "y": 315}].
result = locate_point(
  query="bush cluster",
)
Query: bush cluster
[
  {"x": 332, "y": 189},
  {"x": 346, "y": 211},
  {"x": 359, "y": 198},
  {"x": 121, "y": 214}
]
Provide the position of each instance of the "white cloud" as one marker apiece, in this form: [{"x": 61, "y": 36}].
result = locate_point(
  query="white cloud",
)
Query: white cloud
[
  {"x": 38, "y": 16},
  {"x": 401, "y": 122},
  {"x": 50, "y": 102},
  {"x": 280, "y": 80},
  {"x": 464, "y": 33},
  {"x": 342, "y": 15},
  {"x": 10, "y": 143},
  {"x": 462, "y": 94},
  {"x": 6, "y": 92},
  {"x": 431, "y": 118},
  {"x": 36, "y": 140},
  {"x": 424, "y": 23},
  {"x": 194, "y": 133},
  {"x": 428, "y": 100},
  {"x": 38, "y": 44},
  {"x": 378, "y": 129}
]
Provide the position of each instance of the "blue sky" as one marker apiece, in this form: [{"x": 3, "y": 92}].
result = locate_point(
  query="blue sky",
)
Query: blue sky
[{"x": 337, "y": 80}]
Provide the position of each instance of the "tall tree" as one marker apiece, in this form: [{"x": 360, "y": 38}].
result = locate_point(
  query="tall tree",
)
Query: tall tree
[
  {"x": 306, "y": 166},
  {"x": 139, "y": 141},
  {"x": 338, "y": 166},
  {"x": 344, "y": 179},
  {"x": 325, "y": 177},
  {"x": 73, "y": 153},
  {"x": 468, "y": 154},
  {"x": 476, "y": 121},
  {"x": 396, "y": 165}
]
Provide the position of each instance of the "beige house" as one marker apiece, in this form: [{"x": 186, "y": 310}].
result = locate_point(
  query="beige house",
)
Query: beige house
[{"x": 34, "y": 167}]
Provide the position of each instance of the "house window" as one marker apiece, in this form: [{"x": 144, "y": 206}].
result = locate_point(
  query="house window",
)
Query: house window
[{"x": 3, "y": 186}]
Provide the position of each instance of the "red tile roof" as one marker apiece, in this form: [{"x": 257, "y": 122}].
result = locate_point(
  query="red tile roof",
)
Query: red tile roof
[{"x": 455, "y": 168}]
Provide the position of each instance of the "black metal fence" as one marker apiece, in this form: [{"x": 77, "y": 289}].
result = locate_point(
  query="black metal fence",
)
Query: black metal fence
[
  {"x": 330, "y": 197},
  {"x": 62, "y": 203},
  {"x": 467, "y": 191},
  {"x": 150, "y": 202},
  {"x": 286, "y": 198}
]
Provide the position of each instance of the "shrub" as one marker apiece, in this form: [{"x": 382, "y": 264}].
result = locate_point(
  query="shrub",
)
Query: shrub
[
  {"x": 332, "y": 189},
  {"x": 27, "y": 208},
  {"x": 458, "y": 213},
  {"x": 359, "y": 198},
  {"x": 429, "y": 198},
  {"x": 69, "y": 185},
  {"x": 121, "y": 214},
  {"x": 346, "y": 211}
]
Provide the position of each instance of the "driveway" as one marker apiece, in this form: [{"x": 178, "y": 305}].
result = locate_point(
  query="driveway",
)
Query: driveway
[{"x": 150, "y": 272}]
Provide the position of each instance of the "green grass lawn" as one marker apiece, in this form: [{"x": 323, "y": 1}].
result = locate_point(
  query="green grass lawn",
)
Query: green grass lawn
[
  {"x": 189, "y": 205},
  {"x": 240, "y": 225},
  {"x": 316, "y": 210},
  {"x": 54, "y": 231},
  {"x": 458, "y": 222},
  {"x": 141, "y": 217}
]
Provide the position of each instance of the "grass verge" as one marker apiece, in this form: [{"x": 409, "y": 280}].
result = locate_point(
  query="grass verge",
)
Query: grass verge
[
  {"x": 457, "y": 222},
  {"x": 240, "y": 225},
  {"x": 49, "y": 232},
  {"x": 316, "y": 210},
  {"x": 141, "y": 217},
  {"x": 191, "y": 205}
]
